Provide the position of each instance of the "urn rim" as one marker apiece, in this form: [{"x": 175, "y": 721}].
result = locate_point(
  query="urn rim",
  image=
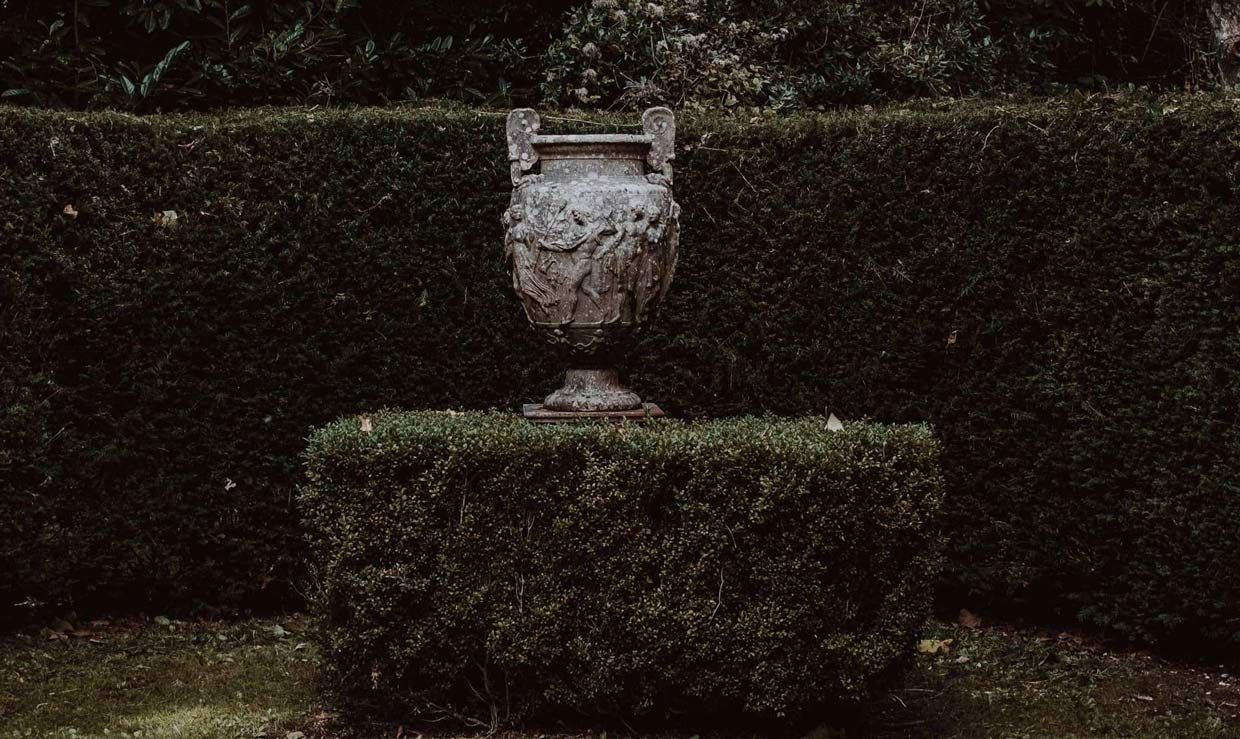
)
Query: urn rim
[
  {"x": 591, "y": 138},
  {"x": 592, "y": 146}
]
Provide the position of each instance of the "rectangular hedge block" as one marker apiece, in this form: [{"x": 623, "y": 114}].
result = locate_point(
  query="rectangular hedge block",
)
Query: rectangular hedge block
[{"x": 477, "y": 565}]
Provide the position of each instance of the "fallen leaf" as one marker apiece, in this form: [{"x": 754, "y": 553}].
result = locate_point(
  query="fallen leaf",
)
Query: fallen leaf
[
  {"x": 166, "y": 219},
  {"x": 367, "y": 425},
  {"x": 1145, "y": 697},
  {"x": 71, "y": 211},
  {"x": 951, "y": 338},
  {"x": 934, "y": 646},
  {"x": 969, "y": 619}
]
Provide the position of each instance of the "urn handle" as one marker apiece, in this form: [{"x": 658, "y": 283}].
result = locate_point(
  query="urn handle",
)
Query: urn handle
[
  {"x": 660, "y": 125},
  {"x": 523, "y": 124}
]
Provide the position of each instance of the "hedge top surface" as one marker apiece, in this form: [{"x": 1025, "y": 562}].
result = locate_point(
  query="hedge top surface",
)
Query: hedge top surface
[
  {"x": 940, "y": 113},
  {"x": 394, "y": 435}
]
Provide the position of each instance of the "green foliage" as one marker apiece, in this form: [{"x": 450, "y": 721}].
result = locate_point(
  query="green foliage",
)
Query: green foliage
[
  {"x": 1054, "y": 285},
  {"x": 149, "y": 55},
  {"x": 632, "y": 53},
  {"x": 1111, "y": 43},
  {"x": 162, "y": 678},
  {"x": 481, "y": 566},
  {"x": 173, "y": 54}
]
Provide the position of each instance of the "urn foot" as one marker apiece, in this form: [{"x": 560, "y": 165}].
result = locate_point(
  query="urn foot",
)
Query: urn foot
[{"x": 592, "y": 390}]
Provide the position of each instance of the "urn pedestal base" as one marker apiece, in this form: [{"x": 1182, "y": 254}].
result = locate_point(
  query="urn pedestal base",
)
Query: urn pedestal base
[
  {"x": 592, "y": 390},
  {"x": 589, "y": 395},
  {"x": 539, "y": 413}
]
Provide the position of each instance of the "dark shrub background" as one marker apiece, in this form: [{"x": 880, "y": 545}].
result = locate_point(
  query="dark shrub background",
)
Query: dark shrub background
[{"x": 1054, "y": 286}]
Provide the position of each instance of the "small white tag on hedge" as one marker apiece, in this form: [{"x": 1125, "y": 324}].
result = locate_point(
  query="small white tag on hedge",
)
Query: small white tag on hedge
[{"x": 834, "y": 424}]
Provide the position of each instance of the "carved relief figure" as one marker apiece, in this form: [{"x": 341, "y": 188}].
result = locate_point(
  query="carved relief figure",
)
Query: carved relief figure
[
  {"x": 671, "y": 251},
  {"x": 594, "y": 242},
  {"x": 521, "y": 254},
  {"x": 648, "y": 269},
  {"x": 630, "y": 227}
]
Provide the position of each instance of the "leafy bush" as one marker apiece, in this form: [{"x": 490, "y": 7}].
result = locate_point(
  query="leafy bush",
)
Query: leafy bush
[
  {"x": 148, "y": 55},
  {"x": 1054, "y": 285},
  {"x": 481, "y": 566},
  {"x": 815, "y": 54},
  {"x": 1111, "y": 43},
  {"x": 631, "y": 53},
  {"x": 169, "y": 54}
]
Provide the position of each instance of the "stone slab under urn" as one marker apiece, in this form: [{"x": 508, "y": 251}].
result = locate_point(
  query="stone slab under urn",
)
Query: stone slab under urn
[
  {"x": 539, "y": 413},
  {"x": 591, "y": 238}
]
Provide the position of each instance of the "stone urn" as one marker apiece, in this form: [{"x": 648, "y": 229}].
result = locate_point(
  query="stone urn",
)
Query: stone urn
[{"x": 591, "y": 236}]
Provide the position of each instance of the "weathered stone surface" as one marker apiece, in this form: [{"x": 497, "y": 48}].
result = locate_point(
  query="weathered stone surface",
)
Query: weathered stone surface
[
  {"x": 592, "y": 242},
  {"x": 539, "y": 413}
]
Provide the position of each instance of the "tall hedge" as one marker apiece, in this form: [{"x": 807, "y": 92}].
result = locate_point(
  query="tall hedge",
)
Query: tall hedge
[
  {"x": 1053, "y": 284},
  {"x": 476, "y": 565}
]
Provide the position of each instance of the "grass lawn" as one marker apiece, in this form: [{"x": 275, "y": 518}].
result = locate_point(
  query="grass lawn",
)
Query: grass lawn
[{"x": 257, "y": 679}]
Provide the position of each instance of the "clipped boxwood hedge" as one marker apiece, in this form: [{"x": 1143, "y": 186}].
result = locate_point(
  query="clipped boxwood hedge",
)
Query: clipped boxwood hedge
[
  {"x": 477, "y": 565},
  {"x": 1055, "y": 285}
]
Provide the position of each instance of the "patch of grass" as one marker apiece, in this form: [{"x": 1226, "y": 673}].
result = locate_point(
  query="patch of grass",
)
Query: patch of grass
[
  {"x": 1002, "y": 682},
  {"x": 257, "y": 679},
  {"x": 166, "y": 679}
]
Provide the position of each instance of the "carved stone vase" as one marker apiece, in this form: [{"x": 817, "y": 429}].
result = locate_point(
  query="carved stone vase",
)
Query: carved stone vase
[{"x": 591, "y": 238}]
